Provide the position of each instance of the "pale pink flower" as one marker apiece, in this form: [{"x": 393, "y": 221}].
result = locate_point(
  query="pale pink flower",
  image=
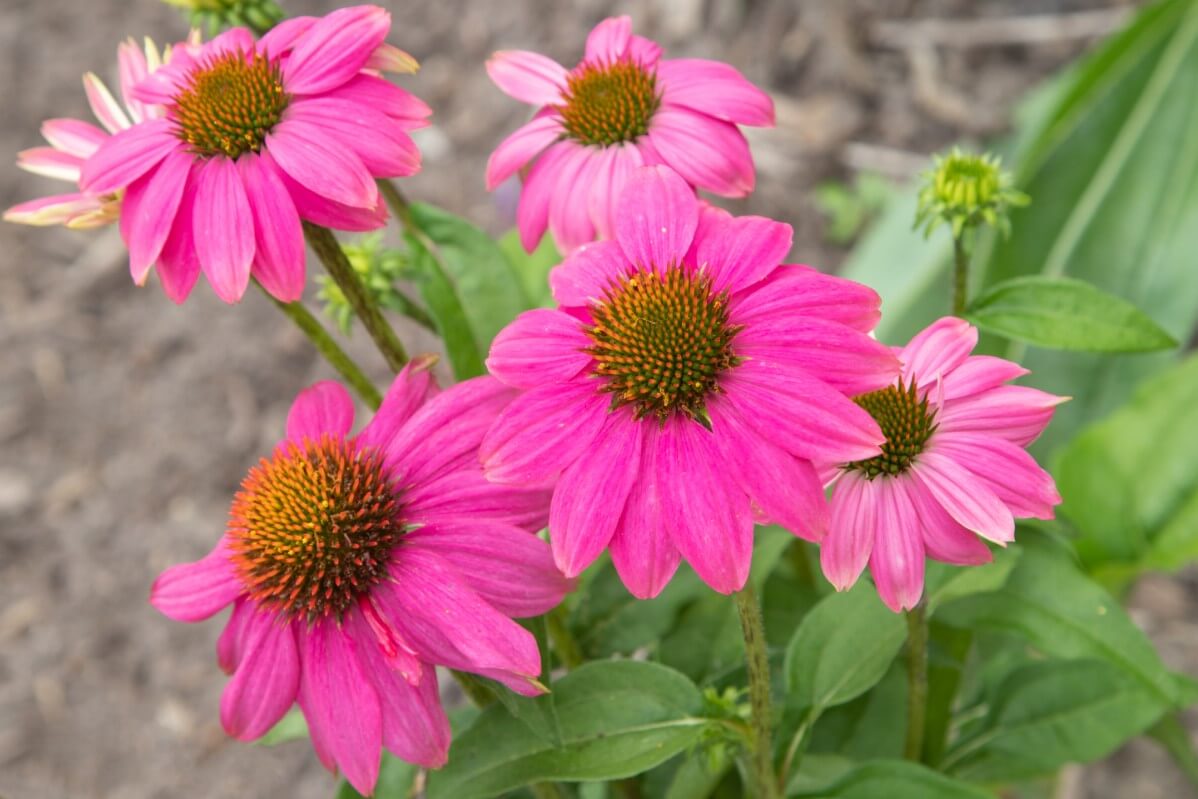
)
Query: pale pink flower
[
  {"x": 682, "y": 388},
  {"x": 622, "y": 107},
  {"x": 73, "y": 141},
  {"x": 355, "y": 564},
  {"x": 256, "y": 136},
  {"x": 953, "y": 470}
]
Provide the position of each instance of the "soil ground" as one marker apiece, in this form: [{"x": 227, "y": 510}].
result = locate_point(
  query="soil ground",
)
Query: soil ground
[{"x": 126, "y": 422}]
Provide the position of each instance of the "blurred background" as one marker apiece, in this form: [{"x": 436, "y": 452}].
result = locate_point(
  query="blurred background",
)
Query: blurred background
[{"x": 126, "y": 422}]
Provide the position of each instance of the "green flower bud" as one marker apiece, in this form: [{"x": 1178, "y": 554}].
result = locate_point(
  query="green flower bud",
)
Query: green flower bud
[
  {"x": 216, "y": 15},
  {"x": 967, "y": 191}
]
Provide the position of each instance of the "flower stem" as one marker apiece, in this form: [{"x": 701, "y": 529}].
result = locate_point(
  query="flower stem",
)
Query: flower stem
[
  {"x": 757, "y": 661},
  {"x": 917, "y": 681},
  {"x": 563, "y": 640},
  {"x": 324, "y": 243},
  {"x": 960, "y": 275},
  {"x": 326, "y": 346}
]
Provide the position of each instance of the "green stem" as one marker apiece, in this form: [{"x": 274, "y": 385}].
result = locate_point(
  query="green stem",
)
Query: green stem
[
  {"x": 757, "y": 661},
  {"x": 794, "y": 752},
  {"x": 917, "y": 681},
  {"x": 943, "y": 680},
  {"x": 563, "y": 640},
  {"x": 325, "y": 244},
  {"x": 960, "y": 275},
  {"x": 326, "y": 346},
  {"x": 1172, "y": 735}
]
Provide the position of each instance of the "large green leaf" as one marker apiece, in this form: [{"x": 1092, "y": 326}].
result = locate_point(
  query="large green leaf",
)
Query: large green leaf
[
  {"x": 893, "y": 779},
  {"x": 618, "y": 718},
  {"x": 842, "y": 648},
  {"x": 1051, "y": 713},
  {"x": 1130, "y": 482},
  {"x": 1065, "y": 314},
  {"x": 445, "y": 307},
  {"x": 532, "y": 267},
  {"x": 397, "y": 780}
]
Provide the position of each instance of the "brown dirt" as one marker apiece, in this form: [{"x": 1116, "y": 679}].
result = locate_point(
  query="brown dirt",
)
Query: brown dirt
[{"x": 126, "y": 423}]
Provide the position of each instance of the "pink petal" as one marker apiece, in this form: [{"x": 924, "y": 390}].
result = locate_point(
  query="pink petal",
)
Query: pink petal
[
  {"x": 608, "y": 41},
  {"x": 532, "y": 214},
  {"x": 1011, "y": 473},
  {"x": 642, "y": 549},
  {"x": 715, "y": 89},
  {"x": 322, "y": 409},
  {"x": 707, "y": 152},
  {"x": 508, "y": 567},
  {"x": 327, "y": 213},
  {"x": 586, "y": 274},
  {"x": 645, "y": 52},
  {"x": 382, "y": 95},
  {"x": 127, "y": 156},
  {"x": 389, "y": 58},
  {"x": 657, "y": 218},
  {"x": 50, "y": 163},
  {"x": 740, "y": 251},
  {"x": 224, "y": 228},
  {"x": 943, "y": 538},
  {"x": 589, "y": 498},
  {"x": 542, "y": 432},
  {"x": 340, "y": 704},
  {"x": 195, "y": 591},
  {"x": 466, "y": 493},
  {"x": 897, "y": 560},
  {"x": 411, "y": 389},
  {"x": 452, "y": 626},
  {"x": 178, "y": 263},
  {"x": 149, "y": 209},
  {"x": 521, "y": 147},
  {"x": 104, "y": 105},
  {"x": 266, "y": 681},
  {"x": 234, "y": 40},
  {"x": 1016, "y": 413},
  {"x": 802, "y": 291},
  {"x": 386, "y": 151},
  {"x": 851, "y": 530},
  {"x": 979, "y": 373},
  {"x": 415, "y": 727},
  {"x": 278, "y": 236},
  {"x": 801, "y": 414},
  {"x": 282, "y": 37},
  {"x": 318, "y": 162},
  {"x": 964, "y": 496},
  {"x": 617, "y": 164},
  {"x": 937, "y": 350},
  {"x": 707, "y": 514},
  {"x": 73, "y": 136},
  {"x": 786, "y": 489},
  {"x": 539, "y": 347},
  {"x": 231, "y": 645},
  {"x": 56, "y": 209},
  {"x": 133, "y": 69},
  {"x": 569, "y": 212},
  {"x": 528, "y": 77},
  {"x": 334, "y": 49}
]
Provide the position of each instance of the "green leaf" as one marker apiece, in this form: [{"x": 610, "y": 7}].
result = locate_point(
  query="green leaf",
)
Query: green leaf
[
  {"x": 290, "y": 728},
  {"x": 1130, "y": 482},
  {"x": 1051, "y": 713},
  {"x": 1065, "y": 314},
  {"x": 446, "y": 309},
  {"x": 894, "y": 779},
  {"x": 1048, "y": 602},
  {"x": 842, "y": 648},
  {"x": 489, "y": 289},
  {"x": 396, "y": 781},
  {"x": 618, "y": 718},
  {"x": 946, "y": 583},
  {"x": 532, "y": 268}
]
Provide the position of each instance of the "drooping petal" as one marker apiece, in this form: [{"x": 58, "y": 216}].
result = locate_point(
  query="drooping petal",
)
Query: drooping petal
[
  {"x": 539, "y": 347},
  {"x": 528, "y": 77},
  {"x": 642, "y": 549},
  {"x": 542, "y": 432},
  {"x": 569, "y": 211},
  {"x": 797, "y": 291},
  {"x": 532, "y": 214},
  {"x": 521, "y": 147},
  {"x": 149, "y": 209},
  {"x": 327, "y": 213},
  {"x": 322, "y": 409},
  {"x": 50, "y": 163},
  {"x": 707, "y": 513},
  {"x": 852, "y": 528},
  {"x": 411, "y": 388},
  {"x": 897, "y": 560},
  {"x": 657, "y": 217},
  {"x": 398, "y": 104},
  {"x": 73, "y": 136},
  {"x": 740, "y": 251},
  {"x": 937, "y": 350},
  {"x": 231, "y": 645},
  {"x": 979, "y": 373},
  {"x": 608, "y": 41},
  {"x": 278, "y": 237},
  {"x": 1009, "y": 471},
  {"x": 508, "y": 567},
  {"x": 128, "y": 155},
  {"x": 466, "y": 492},
  {"x": 943, "y": 538},
  {"x": 133, "y": 69},
  {"x": 385, "y": 150},
  {"x": 966, "y": 498},
  {"x": 104, "y": 105},
  {"x": 178, "y": 263},
  {"x": 588, "y": 500},
  {"x": 1016, "y": 413},
  {"x": 716, "y": 89},
  {"x": 224, "y": 228},
  {"x": 618, "y": 163},
  {"x": 195, "y": 591},
  {"x": 586, "y": 274},
  {"x": 320, "y": 164},
  {"x": 56, "y": 209},
  {"x": 709, "y": 153},
  {"x": 335, "y": 48},
  {"x": 266, "y": 681}
]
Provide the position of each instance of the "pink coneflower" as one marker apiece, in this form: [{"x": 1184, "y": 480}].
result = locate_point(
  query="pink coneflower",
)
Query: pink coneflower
[
  {"x": 683, "y": 387},
  {"x": 953, "y": 467},
  {"x": 257, "y": 136},
  {"x": 73, "y": 141},
  {"x": 622, "y": 107},
  {"x": 354, "y": 564}
]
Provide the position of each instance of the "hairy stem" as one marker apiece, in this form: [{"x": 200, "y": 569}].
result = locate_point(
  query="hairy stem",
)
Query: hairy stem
[
  {"x": 332, "y": 352},
  {"x": 325, "y": 244},
  {"x": 757, "y": 661},
  {"x": 917, "y": 681}
]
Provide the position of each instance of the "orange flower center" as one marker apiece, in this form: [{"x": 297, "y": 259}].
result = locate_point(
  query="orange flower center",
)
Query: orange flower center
[
  {"x": 230, "y": 105},
  {"x": 609, "y": 104}
]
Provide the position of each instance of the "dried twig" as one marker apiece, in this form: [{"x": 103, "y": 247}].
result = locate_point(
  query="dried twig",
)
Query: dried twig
[{"x": 997, "y": 31}]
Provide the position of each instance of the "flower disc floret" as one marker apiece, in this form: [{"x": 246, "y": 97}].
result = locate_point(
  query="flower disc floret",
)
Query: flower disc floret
[
  {"x": 907, "y": 422},
  {"x": 313, "y": 527},
  {"x": 230, "y": 104},
  {"x": 662, "y": 339},
  {"x": 608, "y": 104}
]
